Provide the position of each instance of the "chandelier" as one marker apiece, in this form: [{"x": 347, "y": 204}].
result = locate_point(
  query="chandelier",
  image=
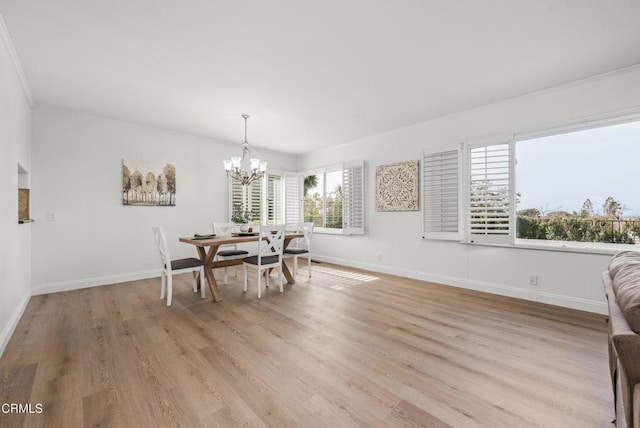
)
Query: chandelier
[{"x": 245, "y": 169}]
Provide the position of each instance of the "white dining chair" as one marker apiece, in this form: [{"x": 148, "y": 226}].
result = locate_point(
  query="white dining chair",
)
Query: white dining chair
[
  {"x": 169, "y": 267},
  {"x": 269, "y": 255},
  {"x": 301, "y": 246},
  {"x": 227, "y": 251}
]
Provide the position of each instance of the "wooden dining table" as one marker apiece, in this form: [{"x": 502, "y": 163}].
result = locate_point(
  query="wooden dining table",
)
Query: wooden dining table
[{"x": 208, "y": 248}]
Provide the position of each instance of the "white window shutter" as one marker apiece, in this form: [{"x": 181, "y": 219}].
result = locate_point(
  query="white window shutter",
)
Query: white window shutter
[
  {"x": 353, "y": 209},
  {"x": 247, "y": 197},
  {"x": 441, "y": 192},
  {"x": 489, "y": 194},
  {"x": 236, "y": 196},
  {"x": 273, "y": 199},
  {"x": 292, "y": 197},
  {"x": 254, "y": 202}
]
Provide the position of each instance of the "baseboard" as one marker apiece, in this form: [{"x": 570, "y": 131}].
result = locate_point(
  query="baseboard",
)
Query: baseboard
[
  {"x": 573, "y": 303},
  {"x": 502, "y": 290},
  {"x": 93, "y": 282},
  {"x": 8, "y": 330}
]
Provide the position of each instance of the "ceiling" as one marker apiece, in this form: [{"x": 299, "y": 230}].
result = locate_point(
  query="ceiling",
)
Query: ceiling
[{"x": 312, "y": 74}]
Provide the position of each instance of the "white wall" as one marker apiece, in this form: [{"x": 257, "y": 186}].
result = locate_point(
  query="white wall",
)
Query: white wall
[
  {"x": 15, "y": 148},
  {"x": 95, "y": 240},
  {"x": 568, "y": 279}
]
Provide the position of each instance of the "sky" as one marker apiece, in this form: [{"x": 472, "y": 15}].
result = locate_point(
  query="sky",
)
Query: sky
[
  {"x": 334, "y": 179},
  {"x": 558, "y": 173}
]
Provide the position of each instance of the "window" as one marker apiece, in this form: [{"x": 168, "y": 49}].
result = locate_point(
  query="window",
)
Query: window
[
  {"x": 572, "y": 184},
  {"x": 334, "y": 199},
  {"x": 246, "y": 202},
  {"x": 274, "y": 200},
  {"x": 580, "y": 184},
  {"x": 323, "y": 197}
]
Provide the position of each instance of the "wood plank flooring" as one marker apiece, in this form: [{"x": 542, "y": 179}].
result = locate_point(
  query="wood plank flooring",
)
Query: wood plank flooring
[{"x": 346, "y": 348}]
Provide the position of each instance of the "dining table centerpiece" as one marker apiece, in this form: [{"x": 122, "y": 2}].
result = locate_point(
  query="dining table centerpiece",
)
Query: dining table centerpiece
[{"x": 241, "y": 217}]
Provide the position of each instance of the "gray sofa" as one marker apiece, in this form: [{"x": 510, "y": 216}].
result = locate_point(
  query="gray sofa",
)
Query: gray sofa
[{"x": 622, "y": 288}]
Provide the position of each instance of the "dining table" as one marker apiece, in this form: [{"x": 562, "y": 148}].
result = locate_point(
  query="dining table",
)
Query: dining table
[{"x": 207, "y": 249}]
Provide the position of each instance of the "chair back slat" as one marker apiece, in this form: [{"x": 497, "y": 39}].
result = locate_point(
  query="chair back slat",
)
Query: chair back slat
[
  {"x": 224, "y": 229},
  {"x": 271, "y": 240},
  {"x": 307, "y": 229},
  {"x": 163, "y": 248}
]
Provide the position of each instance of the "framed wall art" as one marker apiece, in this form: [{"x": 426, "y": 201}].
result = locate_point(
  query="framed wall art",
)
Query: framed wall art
[
  {"x": 148, "y": 183},
  {"x": 397, "y": 186}
]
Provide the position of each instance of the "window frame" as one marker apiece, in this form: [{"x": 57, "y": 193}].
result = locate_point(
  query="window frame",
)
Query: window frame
[
  {"x": 291, "y": 187},
  {"x": 353, "y": 200},
  {"x": 594, "y": 122},
  {"x": 264, "y": 196},
  {"x": 324, "y": 171},
  {"x": 231, "y": 182},
  {"x": 512, "y": 139}
]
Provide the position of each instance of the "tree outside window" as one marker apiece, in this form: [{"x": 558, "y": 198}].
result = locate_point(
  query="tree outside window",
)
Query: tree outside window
[{"x": 323, "y": 199}]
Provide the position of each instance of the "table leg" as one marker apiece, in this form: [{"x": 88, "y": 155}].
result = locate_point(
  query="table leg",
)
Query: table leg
[
  {"x": 287, "y": 274},
  {"x": 207, "y": 258},
  {"x": 285, "y": 269}
]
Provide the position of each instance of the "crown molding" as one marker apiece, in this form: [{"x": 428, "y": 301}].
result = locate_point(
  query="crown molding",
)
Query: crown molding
[{"x": 8, "y": 44}]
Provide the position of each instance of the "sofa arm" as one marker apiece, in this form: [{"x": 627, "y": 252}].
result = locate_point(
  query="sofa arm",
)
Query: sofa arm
[{"x": 636, "y": 406}]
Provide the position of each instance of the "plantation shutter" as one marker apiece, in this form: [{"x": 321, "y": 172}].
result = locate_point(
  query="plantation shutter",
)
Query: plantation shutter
[
  {"x": 254, "y": 202},
  {"x": 248, "y": 198},
  {"x": 274, "y": 196},
  {"x": 353, "y": 199},
  {"x": 236, "y": 198},
  {"x": 441, "y": 191},
  {"x": 292, "y": 197},
  {"x": 489, "y": 201}
]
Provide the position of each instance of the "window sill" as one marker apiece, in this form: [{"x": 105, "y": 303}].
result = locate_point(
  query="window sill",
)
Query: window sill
[
  {"x": 327, "y": 231},
  {"x": 566, "y": 246}
]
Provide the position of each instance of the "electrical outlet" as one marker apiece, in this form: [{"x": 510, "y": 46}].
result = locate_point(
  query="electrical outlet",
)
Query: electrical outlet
[
  {"x": 379, "y": 257},
  {"x": 533, "y": 279},
  {"x": 51, "y": 216}
]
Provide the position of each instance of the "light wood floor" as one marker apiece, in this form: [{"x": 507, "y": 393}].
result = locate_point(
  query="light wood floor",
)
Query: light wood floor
[{"x": 347, "y": 348}]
